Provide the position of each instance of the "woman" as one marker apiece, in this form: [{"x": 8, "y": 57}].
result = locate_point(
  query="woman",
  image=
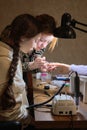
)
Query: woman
[
  {"x": 48, "y": 25},
  {"x": 30, "y": 61},
  {"x": 24, "y": 34}
]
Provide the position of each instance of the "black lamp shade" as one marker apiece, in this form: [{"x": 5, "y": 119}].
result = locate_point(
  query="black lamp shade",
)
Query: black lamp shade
[{"x": 65, "y": 30}]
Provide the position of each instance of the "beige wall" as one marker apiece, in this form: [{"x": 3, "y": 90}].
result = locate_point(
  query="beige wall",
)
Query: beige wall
[{"x": 68, "y": 51}]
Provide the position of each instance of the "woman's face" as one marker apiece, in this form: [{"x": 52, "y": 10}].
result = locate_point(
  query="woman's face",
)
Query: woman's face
[
  {"x": 27, "y": 45},
  {"x": 44, "y": 40},
  {"x": 34, "y": 41}
]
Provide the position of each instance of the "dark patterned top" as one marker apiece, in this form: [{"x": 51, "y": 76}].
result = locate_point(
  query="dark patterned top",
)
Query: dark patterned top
[{"x": 29, "y": 57}]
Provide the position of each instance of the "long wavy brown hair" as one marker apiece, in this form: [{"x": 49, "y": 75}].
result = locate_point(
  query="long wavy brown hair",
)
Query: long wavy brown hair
[{"x": 24, "y": 25}]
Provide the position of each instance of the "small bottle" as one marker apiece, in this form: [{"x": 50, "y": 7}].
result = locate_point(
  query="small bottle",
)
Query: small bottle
[{"x": 44, "y": 77}]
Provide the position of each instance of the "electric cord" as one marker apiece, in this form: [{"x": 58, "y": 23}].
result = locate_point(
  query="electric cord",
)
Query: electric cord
[
  {"x": 71, "y": 122},
  {"x": 50, "y": 106},
  {"x": 58, "y": 92},
  {"x": 39, "y": 104}
]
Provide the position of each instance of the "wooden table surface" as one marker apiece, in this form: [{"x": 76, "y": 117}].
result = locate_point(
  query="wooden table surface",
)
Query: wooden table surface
[{"x": 44, "y": 117}]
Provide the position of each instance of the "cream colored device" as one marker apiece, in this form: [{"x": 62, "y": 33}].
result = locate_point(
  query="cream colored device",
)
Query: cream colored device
[
  {"x": 63, "y": 105},
  {"x": 83, "y": 87}
]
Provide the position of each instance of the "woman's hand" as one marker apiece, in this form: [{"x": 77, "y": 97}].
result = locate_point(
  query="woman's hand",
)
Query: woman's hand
[
  {"x": 60, "y": 67},
  {"x": 37, "y": 63}
]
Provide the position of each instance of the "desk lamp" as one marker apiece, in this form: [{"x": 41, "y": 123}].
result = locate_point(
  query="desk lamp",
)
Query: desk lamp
[{"x": 66, "y": 29}]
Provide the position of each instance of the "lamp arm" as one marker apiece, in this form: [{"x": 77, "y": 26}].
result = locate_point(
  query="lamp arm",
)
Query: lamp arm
[
  {"x": 81, "y": 29},
  {"x": 74, "y": 22}
]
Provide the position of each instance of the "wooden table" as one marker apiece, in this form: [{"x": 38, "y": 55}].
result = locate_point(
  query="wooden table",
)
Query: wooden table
[{"x": 44, "y": 117}]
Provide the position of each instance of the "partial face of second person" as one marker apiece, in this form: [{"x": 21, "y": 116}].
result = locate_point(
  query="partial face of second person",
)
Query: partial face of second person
[
  {"x": 44, "y": 40},
  {"x": 38, "y": 42}
]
